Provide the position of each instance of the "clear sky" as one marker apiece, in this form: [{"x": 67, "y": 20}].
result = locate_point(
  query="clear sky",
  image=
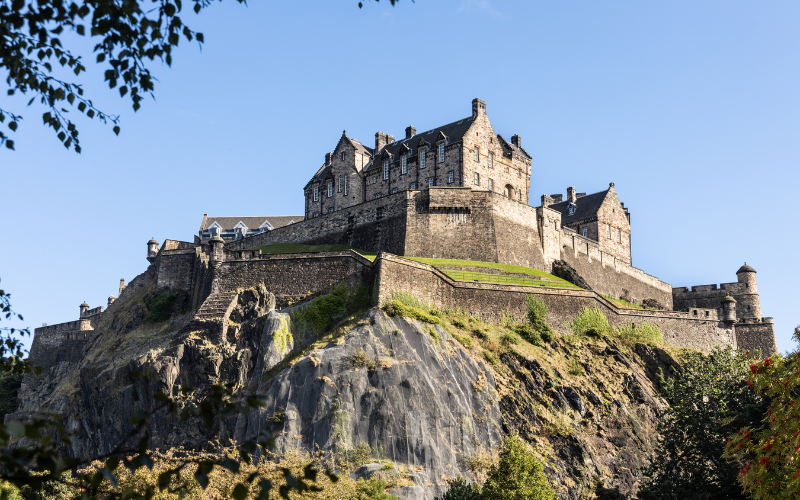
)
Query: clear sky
[{"x": 690, "y": 107}]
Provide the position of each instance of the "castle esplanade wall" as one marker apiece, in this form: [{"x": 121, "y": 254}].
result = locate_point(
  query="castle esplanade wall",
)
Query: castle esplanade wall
[
  {"x": 609, "y": 275},
  {"x": 491, "y": 301}
]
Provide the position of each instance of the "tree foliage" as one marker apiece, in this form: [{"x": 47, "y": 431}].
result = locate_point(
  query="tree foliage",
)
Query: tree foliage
[
  {"x": 767, "y": 454},
  {"x": 129, "y": 36},
  {"x": 708, "y": 400},
  {"x": 461, "y": 490},
  {"x": 518, "y": 475}
]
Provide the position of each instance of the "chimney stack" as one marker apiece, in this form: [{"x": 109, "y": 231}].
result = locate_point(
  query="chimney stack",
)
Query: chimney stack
[
  {"x": 328, "y": 157},
  {"x": 380, "y": 141},
  {"x": 516, "y": 140},
  {"x": 557, "y": 198},
  {"x": 546, "y": 200},
  {"x": 411, "y": 131},
  {"x": 478, "y": 107},
  {"x": 571, "y": 197}
]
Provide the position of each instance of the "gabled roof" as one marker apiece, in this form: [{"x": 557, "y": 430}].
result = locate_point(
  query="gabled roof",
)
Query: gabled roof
[
  {"x": 453, "y": 131},
  {"x": 587, "y": 207},
  {"x": 252, "y": 223},
  {"x": 325, "y": 172},
  {"x": 512, "y": 147},
  {"x": 353, "y": 142}
]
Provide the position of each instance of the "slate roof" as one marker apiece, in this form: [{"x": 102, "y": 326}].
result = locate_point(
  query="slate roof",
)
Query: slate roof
[
  {"x": 453, "y": 131},
  {"x": 745, "y": 269},
  {"x": 587, "y": 207},
  {"x": 511, "y": 146},
  {"x": 252, "y": 223},
  {"x": 324, "y": 171}
]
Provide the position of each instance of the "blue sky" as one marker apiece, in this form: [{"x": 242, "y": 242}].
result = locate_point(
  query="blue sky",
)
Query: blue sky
[{"x": 691, "y": 108}]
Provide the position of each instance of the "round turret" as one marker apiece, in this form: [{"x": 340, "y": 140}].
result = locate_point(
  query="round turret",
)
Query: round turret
[
  {"x": 217, "y": 249},
  {"x": 111, "y": 300},
  {"x": 152, "y": 249},
  {"x": 729, "y": 309},
  {"x": 84, "y": 307},
  {"x": 747, "y": 274},
  {"x": 749, "y": 305}
]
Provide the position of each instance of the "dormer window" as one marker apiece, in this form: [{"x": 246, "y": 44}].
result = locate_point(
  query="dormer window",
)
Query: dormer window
[
  {"x": 316, "y": 193},
  {"x": 571, "y": 209},
  {"x": 422, "y": 158},
  {"x": 385, "y": 170},
  {"x": 491, "y": 160},
  {"x": 441, "y": 152},
  {"x": 477, "y": 154},
  {"x": 404, "y": 164}
]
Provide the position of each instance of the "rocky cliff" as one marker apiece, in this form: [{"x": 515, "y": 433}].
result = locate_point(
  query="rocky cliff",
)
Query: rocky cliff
[{"x": 432, "y": 398}]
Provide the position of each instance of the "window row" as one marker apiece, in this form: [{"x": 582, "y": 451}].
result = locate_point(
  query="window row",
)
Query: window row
[
  {"x": 617, "y": 230},
  {"x": 478, "y": 157}
]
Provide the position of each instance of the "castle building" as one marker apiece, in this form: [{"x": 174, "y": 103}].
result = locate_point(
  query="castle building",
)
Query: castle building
[
  {"x": 236, "y": 228},
  {"x": 465, "y": 153}
]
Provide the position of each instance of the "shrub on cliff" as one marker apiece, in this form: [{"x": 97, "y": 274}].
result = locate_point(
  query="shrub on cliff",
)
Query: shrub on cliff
[
  {"x": 160, "y": 307},
  {"x": 518, "y": 475},
  {"x": 708, "y": 401},
  {"x": 461, "y": 490},
  {"x": 591, "y": 321},
  {"x": 537, "y": 312}
]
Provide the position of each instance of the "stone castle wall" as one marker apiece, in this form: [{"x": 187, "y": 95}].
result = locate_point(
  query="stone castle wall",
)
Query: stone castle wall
[
  {"x": 756, "y": 334},
  {"x": 491, "y": 301},
  {"x": 609, "y": 275},
  {"x": 710, "y": 296}
]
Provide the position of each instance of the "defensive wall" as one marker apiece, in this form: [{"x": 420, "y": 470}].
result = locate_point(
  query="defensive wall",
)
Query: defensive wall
[
  {"x": 710, "y": 296},
  {"x": 491, "y": 301},
  {"x": 462, "y": 223},
  {"x": 611, "y": 276}
]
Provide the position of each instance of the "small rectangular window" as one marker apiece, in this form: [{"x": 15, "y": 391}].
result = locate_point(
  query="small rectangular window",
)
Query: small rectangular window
[
  {"x": 491, "y": 160},
  {"x": 619, "y": 235},
  {"x": 608, "y": 230},
  {"x": 585, "y": 232},
  {"x": 477, "y": 154},
  {"x": 342, "y": 156},
  {"x": 330, "y": 189},
  {"x": 450, "y": 177},
  {"x": 413, "y": 185},
  {"x": 378, "y": 195},
  {"x": 346, "y": 183},
  {"x": 477, "y": 179},
  {"x": 404, "y": 166},
  {"x": 422, "y": 159},
  {"x": 316, "y": 193},
  {"x": 441, "y": 153},
  {"x": 340, "y": 184},
  {"x": 491, "y": 184},
  {"x": 394, "y": 190},
  {"x": 386, "y": 170},
  {"x": 430, "y": 181},
  {"x": 330, "y": 210}
]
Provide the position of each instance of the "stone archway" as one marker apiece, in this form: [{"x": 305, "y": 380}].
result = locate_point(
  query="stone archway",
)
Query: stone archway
[{"x": 509, "y": 191}]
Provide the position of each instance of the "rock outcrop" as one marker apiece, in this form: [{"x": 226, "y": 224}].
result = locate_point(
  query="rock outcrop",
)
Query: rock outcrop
[{"x": 433, "y": 400}]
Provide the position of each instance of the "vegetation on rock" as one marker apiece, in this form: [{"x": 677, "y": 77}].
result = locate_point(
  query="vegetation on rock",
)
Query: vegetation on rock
[
  {"x": 160, "y": 307},
  {"x": 518, "y": 475}
]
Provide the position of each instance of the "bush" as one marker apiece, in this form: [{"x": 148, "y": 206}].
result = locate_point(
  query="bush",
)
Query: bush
[
  {"x": 537, "y": 312},
  {"x": 646, "y": 333},
  {"x": 160, "y": 307},
  {"x": 510, "y": 339},
  {"x": 320, "y": 313},
  {"x": 481, "y": 333},
  {"x": 50, "y": 490},
  {"x": 374, "y": 489},
  {"x": 518, "y": 475},
  {"x": 591, "y": 321},
  {"x": 460, "y": 323},
  {"x": 529, "y": 334},
  {"x": 461, "y": 490}
]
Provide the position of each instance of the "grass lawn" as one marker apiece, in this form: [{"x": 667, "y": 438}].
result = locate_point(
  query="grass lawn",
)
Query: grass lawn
[
  {"x": 504, "y": 279},
  {"x": 278, "y": 248},
  {"x": 535, "y": 273}
]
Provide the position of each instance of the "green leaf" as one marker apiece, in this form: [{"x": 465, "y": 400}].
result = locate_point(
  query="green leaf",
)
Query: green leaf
[
  {"x": 101, "y": 57},
  {"x": 13, "y": 126},
  {"x": 10, "y": 91},
  {"x": 197, "y": 8},
  {"x": 199, "y": 37},
  {"x": 81, "y": 106}
]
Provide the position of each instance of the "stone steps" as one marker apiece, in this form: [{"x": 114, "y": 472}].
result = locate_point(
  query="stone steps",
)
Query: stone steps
[{"x": 215, "y": 306}]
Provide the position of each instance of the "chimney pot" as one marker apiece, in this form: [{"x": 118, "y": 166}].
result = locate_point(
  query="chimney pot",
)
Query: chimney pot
[
  {"x": 571, "y": 197},
  {"x": 411, "y": 131}
]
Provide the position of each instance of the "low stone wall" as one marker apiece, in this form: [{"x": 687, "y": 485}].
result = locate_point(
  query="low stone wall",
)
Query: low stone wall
[
  {"x": 293, "y": 276},
  {"x": 610, "y": 276},
  {"x": 491, "y": 301}
]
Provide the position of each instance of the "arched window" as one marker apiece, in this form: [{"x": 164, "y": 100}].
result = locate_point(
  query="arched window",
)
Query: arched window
[{"x": 509, "y": 191}]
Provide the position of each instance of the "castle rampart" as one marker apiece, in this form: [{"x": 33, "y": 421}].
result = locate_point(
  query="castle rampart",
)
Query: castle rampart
[{"x": 491, "y": 301}]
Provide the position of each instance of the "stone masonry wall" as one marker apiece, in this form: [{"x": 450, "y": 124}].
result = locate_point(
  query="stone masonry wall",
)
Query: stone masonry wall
[
  {"x": 710, "y": 296},
  {"x": 490, "y": 301},
  {"x": 294, "y": 276},
  {"x": 754, "y": 335},
  {"x": 609, "y": 275},
  {"x": 174, "y": 268}
]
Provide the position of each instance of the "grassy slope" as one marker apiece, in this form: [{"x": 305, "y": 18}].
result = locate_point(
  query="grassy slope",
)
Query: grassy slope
[{"x": 509, "y": 268}]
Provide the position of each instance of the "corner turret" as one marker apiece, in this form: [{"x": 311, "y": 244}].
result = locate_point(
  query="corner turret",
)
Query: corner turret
[
  {"x": 749, "y": 303},
  {"x": 217, "y": 250},
  {"x": 84, "y": 307},
  {"x": 729, "y": 309},
  {"x": 152, "y": 250}
]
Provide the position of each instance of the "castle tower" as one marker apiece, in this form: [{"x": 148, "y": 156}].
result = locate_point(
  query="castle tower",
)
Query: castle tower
[
  {"x": 749, "y": 305},
  {"x": 152, "y": 249},
  {"x": 729, "y": 309},
  {"x": 217, "y": 250},
  {"x": 84, "y": 307}
]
